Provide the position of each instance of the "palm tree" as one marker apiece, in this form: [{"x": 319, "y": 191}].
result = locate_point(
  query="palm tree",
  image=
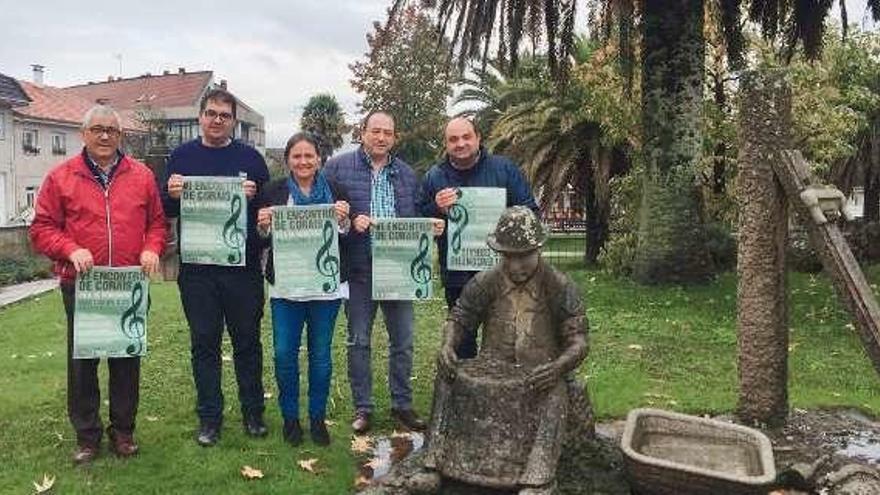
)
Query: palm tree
[
  {"x": 560, "y": 139},
  {"x": 323, "y": 117}
]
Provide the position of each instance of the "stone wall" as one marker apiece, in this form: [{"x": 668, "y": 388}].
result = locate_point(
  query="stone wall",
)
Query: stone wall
[{"x": 14, "y": 240}]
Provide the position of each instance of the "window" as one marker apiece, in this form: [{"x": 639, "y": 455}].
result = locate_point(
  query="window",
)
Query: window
[
  {"x": 59, "y": 144},
  {"x": 181, "y": 131},
  {"x": 30, "y": 196},
  {"x": 29, "y": 142}
]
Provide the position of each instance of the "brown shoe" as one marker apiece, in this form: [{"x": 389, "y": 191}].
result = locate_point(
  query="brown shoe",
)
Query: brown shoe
[
  {"x": 408, "y": 419},
  {"x": 85, "y": 453},
  {"x": 122, "y": 444},
  {"x": 361, "y": 423}
]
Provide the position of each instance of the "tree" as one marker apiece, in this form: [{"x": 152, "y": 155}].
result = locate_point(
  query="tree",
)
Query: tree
[
  {"x": 323, "y": 117},
  {"x": 405, "y": 72},
  {"x": 670, "y": 226}
]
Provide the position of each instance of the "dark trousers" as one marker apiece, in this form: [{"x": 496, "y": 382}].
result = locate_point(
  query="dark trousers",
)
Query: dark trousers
[
  {"x": 213, "y": 296},
  {"x": 467, "y": 348},
  {"x": 84, "y": 394}
]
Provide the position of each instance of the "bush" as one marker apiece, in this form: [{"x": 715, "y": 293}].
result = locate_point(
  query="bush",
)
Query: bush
[
  {"x": 619, "y": 254},
  {"x": 721, "y": 245},
  {"x": 17, "y": 269}
]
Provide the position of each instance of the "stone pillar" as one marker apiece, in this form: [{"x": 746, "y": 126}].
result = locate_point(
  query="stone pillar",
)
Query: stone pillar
[{"x": 762, "y": 316}]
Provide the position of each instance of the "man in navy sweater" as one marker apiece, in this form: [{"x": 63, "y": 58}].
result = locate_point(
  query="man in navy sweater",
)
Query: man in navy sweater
[
  {"x": 214, "y": 295},
  {"x": 467, "y": 164}
]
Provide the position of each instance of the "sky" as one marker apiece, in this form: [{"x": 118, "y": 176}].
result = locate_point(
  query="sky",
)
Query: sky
[{"x": 274, "y": 54}]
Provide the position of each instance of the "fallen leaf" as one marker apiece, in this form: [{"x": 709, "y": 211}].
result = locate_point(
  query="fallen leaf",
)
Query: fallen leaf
[
  {"x": 361, "y": 482},
  {"x": 226, "y": 358},
  {"x": 45, "y": 485},
  {"x": 401, "y": 434},
  {"x": 14, "y": 356},
  {"x": 329, "y": 423},
  {"x": 361, "y": 444},
  {"x": 251, "y": 473},
  {"x": 267, "y": 395},
  {"x": 308, "y": 465},
  {"x": 152, "y": 418},
  {"x": 634, "y": 347}
]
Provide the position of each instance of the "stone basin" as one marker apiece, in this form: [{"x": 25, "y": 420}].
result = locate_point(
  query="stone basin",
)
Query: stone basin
[{"x": 672, "y": 453}]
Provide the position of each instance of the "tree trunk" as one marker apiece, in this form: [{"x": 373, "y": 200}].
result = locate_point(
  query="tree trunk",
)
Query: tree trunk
[
  {"x": 599, "y": 204},
  {"x": 672, "y": 237},
  {"x": 719, "y": 165},
  {"x": 872, "y": 176},
  {"x": 762, "y": 316}
]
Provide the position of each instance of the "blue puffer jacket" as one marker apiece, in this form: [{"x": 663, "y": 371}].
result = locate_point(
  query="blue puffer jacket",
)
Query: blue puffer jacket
[
  {"x": 350, "y": 176},
  {"x": 489, "y": 171}
]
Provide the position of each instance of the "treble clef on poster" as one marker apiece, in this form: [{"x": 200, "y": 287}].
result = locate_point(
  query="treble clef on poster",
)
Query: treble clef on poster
[
  {"x": 458, "y": 216},
  {"x": 420, "y": 268},
  {"x": 233, "y": 234},
  {"x": 327, "y": 264},
  {"x": 133, "y": 325}
]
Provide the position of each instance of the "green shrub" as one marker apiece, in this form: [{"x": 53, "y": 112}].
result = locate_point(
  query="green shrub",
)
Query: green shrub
[
  {"x": 722, "y": 246},
  {"x": 619, "y": 254},
  {"x": 17, "y": 269}
]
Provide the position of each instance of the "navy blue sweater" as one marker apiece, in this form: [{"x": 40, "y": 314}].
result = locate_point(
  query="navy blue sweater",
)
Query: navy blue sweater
[
  {"x": 489, "y": 171},
  {"x": 194, "y": 158}
]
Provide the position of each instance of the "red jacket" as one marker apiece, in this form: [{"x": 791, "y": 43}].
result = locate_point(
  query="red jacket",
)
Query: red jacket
[{"x": 73, "y": 211}]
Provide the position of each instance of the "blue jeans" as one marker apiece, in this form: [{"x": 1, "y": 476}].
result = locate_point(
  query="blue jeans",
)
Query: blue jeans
[
  {"x": 361, "y": 311},
  {"x": 287, "y": 325}
]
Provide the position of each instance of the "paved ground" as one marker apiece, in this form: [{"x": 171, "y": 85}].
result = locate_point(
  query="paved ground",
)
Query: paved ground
[{"x": 14, "y": 293}]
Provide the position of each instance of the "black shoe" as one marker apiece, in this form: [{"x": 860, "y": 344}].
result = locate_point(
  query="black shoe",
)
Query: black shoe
[
  {"x": 319, "y": 433},
  {"x": 293, "y": 433},
  {"x": 254, "y": 426},
  {"x": 408, "y": 420},
  {"x": 208, "y": 435}
]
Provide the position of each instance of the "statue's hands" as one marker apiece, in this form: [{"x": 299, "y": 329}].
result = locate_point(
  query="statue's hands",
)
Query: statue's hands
[
  {"x": 544, "y": 377},
  {"x": 447, "y": 361}
]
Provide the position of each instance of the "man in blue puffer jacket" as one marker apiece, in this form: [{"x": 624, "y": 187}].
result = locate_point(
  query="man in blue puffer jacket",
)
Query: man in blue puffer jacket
[
  {"x": 377, "y": 185},
  {"x": 467, "y": 164}
]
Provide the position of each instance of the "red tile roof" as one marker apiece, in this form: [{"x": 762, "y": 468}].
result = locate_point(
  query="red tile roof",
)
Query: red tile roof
[
  {"x": 57, "y": 105},
  {"x": 172, "y": 90}
]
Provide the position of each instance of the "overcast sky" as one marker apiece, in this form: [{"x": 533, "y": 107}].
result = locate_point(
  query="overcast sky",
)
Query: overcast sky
[{"x": 275, "y": 54}]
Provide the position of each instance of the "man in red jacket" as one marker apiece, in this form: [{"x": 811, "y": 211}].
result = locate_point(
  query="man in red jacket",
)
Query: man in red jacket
[{"x": 99, "y": 208}]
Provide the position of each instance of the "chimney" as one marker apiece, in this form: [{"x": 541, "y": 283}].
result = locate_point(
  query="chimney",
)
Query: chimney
[
  {"x": 181, "y": 70},
  {"x": 166, "y": 72},
  {"x": 38, "y": 73},
  {"x": 110, "y": 78},
  {"x": 223, "y": 83}
]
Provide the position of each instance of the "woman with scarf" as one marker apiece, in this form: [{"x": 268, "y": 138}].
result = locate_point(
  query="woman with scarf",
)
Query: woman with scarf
[{"x": 303, "y": 185}]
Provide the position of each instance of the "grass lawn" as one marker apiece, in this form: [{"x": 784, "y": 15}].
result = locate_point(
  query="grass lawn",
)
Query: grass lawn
[{"x": 672, "y": 348}]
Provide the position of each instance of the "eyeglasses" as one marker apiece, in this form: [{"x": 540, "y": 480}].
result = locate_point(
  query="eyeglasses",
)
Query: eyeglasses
[
  {"x": 99, "y": 130},
  {"x": 212, "y": 115}
]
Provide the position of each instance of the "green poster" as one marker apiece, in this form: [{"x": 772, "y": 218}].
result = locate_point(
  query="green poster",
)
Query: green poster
[
  {"x": 471, "y": 219},
  {"x": 213, "y": 216},
  {"x": 403, "y": 250},
  {"x": 305, "y": 250},
  {"x": 110, "y": 319}
]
